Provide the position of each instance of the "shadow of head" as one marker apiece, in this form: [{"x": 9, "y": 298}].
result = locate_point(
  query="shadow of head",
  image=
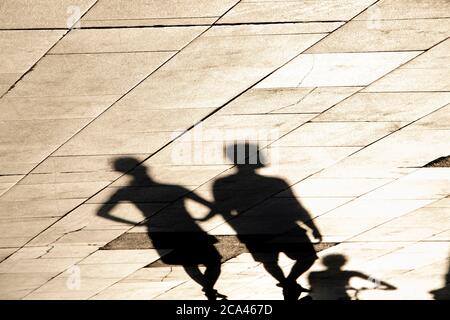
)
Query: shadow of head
[
  {"x": 129, "y": 165},
  {"x": 334, "y": 261},
  {"x": 245, "y": 155}
]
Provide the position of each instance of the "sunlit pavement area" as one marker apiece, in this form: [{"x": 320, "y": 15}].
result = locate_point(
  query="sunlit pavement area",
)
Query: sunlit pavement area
[{"x": 350, "y": 100}]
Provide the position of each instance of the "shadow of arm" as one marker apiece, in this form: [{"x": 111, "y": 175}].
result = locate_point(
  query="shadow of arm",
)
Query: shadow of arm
[
  {"x": 379, "y": 284},
  {"x": 306, "y": 219},
  {"x": 193, "y": 196},
  {"x": 106, "y": 208},
  {"x": 214, "y": 207}
]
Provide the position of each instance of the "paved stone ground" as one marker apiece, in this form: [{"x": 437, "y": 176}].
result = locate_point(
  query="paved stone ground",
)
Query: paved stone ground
[{"x": 352, "y": 98}]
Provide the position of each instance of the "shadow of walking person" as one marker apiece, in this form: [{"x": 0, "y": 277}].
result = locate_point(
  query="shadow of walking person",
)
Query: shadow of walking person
[
  {"x": 264, "y": 230},
  {"x": 334, "y": 283},
  {"x": 188, "y": 249}
]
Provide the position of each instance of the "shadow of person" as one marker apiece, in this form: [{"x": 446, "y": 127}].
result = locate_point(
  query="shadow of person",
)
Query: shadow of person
[
  {"x": 444, "y": 292},
  {"x": 189, "y": 249},
  {"x": 266, "y": 231},
  {"x": 334, "y": 283}
]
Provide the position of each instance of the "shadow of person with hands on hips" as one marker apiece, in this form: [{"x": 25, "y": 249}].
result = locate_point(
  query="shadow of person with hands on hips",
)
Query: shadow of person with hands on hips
[{"x": 190, "y": 246}]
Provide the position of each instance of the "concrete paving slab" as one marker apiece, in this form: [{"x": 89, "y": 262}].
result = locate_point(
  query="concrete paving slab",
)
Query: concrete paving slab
[
  {"x": 19, "y": 150},
  {"x": 414, "y": 80},
  {"x": 113, "y": 73},
  {"x": 55, "y": 252},
  {"x": 84, "y": 222},
  {"x": 15, "y": 286},
  {"x": 425, "y": 183},
  {"x": 287, "y": 100},
  {"x": 74, "y": 164},
  {"x": 419, "y": 255},
  {"x": 296, "y": 163},
  {"x": 443, "y": 236},
  {"x": 270, "y": 11},
  {"x": 262, "y": 101},
  {"x": 188, "y": 290},
  {"x": 69, "y": 177},
  {"x": 6, "y": 182},
  {"x": 125, "y": 40},
  {"x": 136, "y": 290},
  {"x": 360, "y": 215},
  {"x": 426, "y": 73},
  {"x": 193, "y": 87},
  {"x": 90, "y": 283},
  {"x": 442, "y": 203},
  {"x": 48, "y": 108},
  {"x": 336, "y": 69},
  {"x": 22, "y": 49},
  {"x": 416, "y": 9},
  {"x": 273, "y": 28},
  {"x": 5, "y": 252},
  {"x": 337, "y": 134},
  {"x": 401, "y": 158},
  {"x": 170, "y": 274},
  {"x": 120, "y": 257},
  {"x": 37, "y": 208},
  {"x": 7, "y": 80},
  {"x": 118, "y": 13},
  {"x": 345, "y": 187},
  {"x": 319, "y": 100},
  {"x": 56, "y": 71},
  {"x": 37, "y": 265},
  {"x": 385, "y": 35},
  {"x": 16, "y": 232},
  {"x": 58, "y": 177},
  {"x": 43, "y": 14},
  {"x": 261, "y": 128},
  {"x": 144, "y": 120},
  {"x": 12, "y": 242},
  {"x": 439, "y": 119},
  {"x": 386, "y": 106},
  {"x": 348, "y": 168},
  {"x": 26, "y": 192},
  {"x": 121, "y": 143},
  {"x": 82, "y": 237},
  {"x": 426, "y": 280},
  {"x": 416, "y": 226}
]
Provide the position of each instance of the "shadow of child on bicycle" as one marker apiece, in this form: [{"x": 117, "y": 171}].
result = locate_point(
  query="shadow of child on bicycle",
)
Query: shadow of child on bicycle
[{"x": 334, "y": 283}]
